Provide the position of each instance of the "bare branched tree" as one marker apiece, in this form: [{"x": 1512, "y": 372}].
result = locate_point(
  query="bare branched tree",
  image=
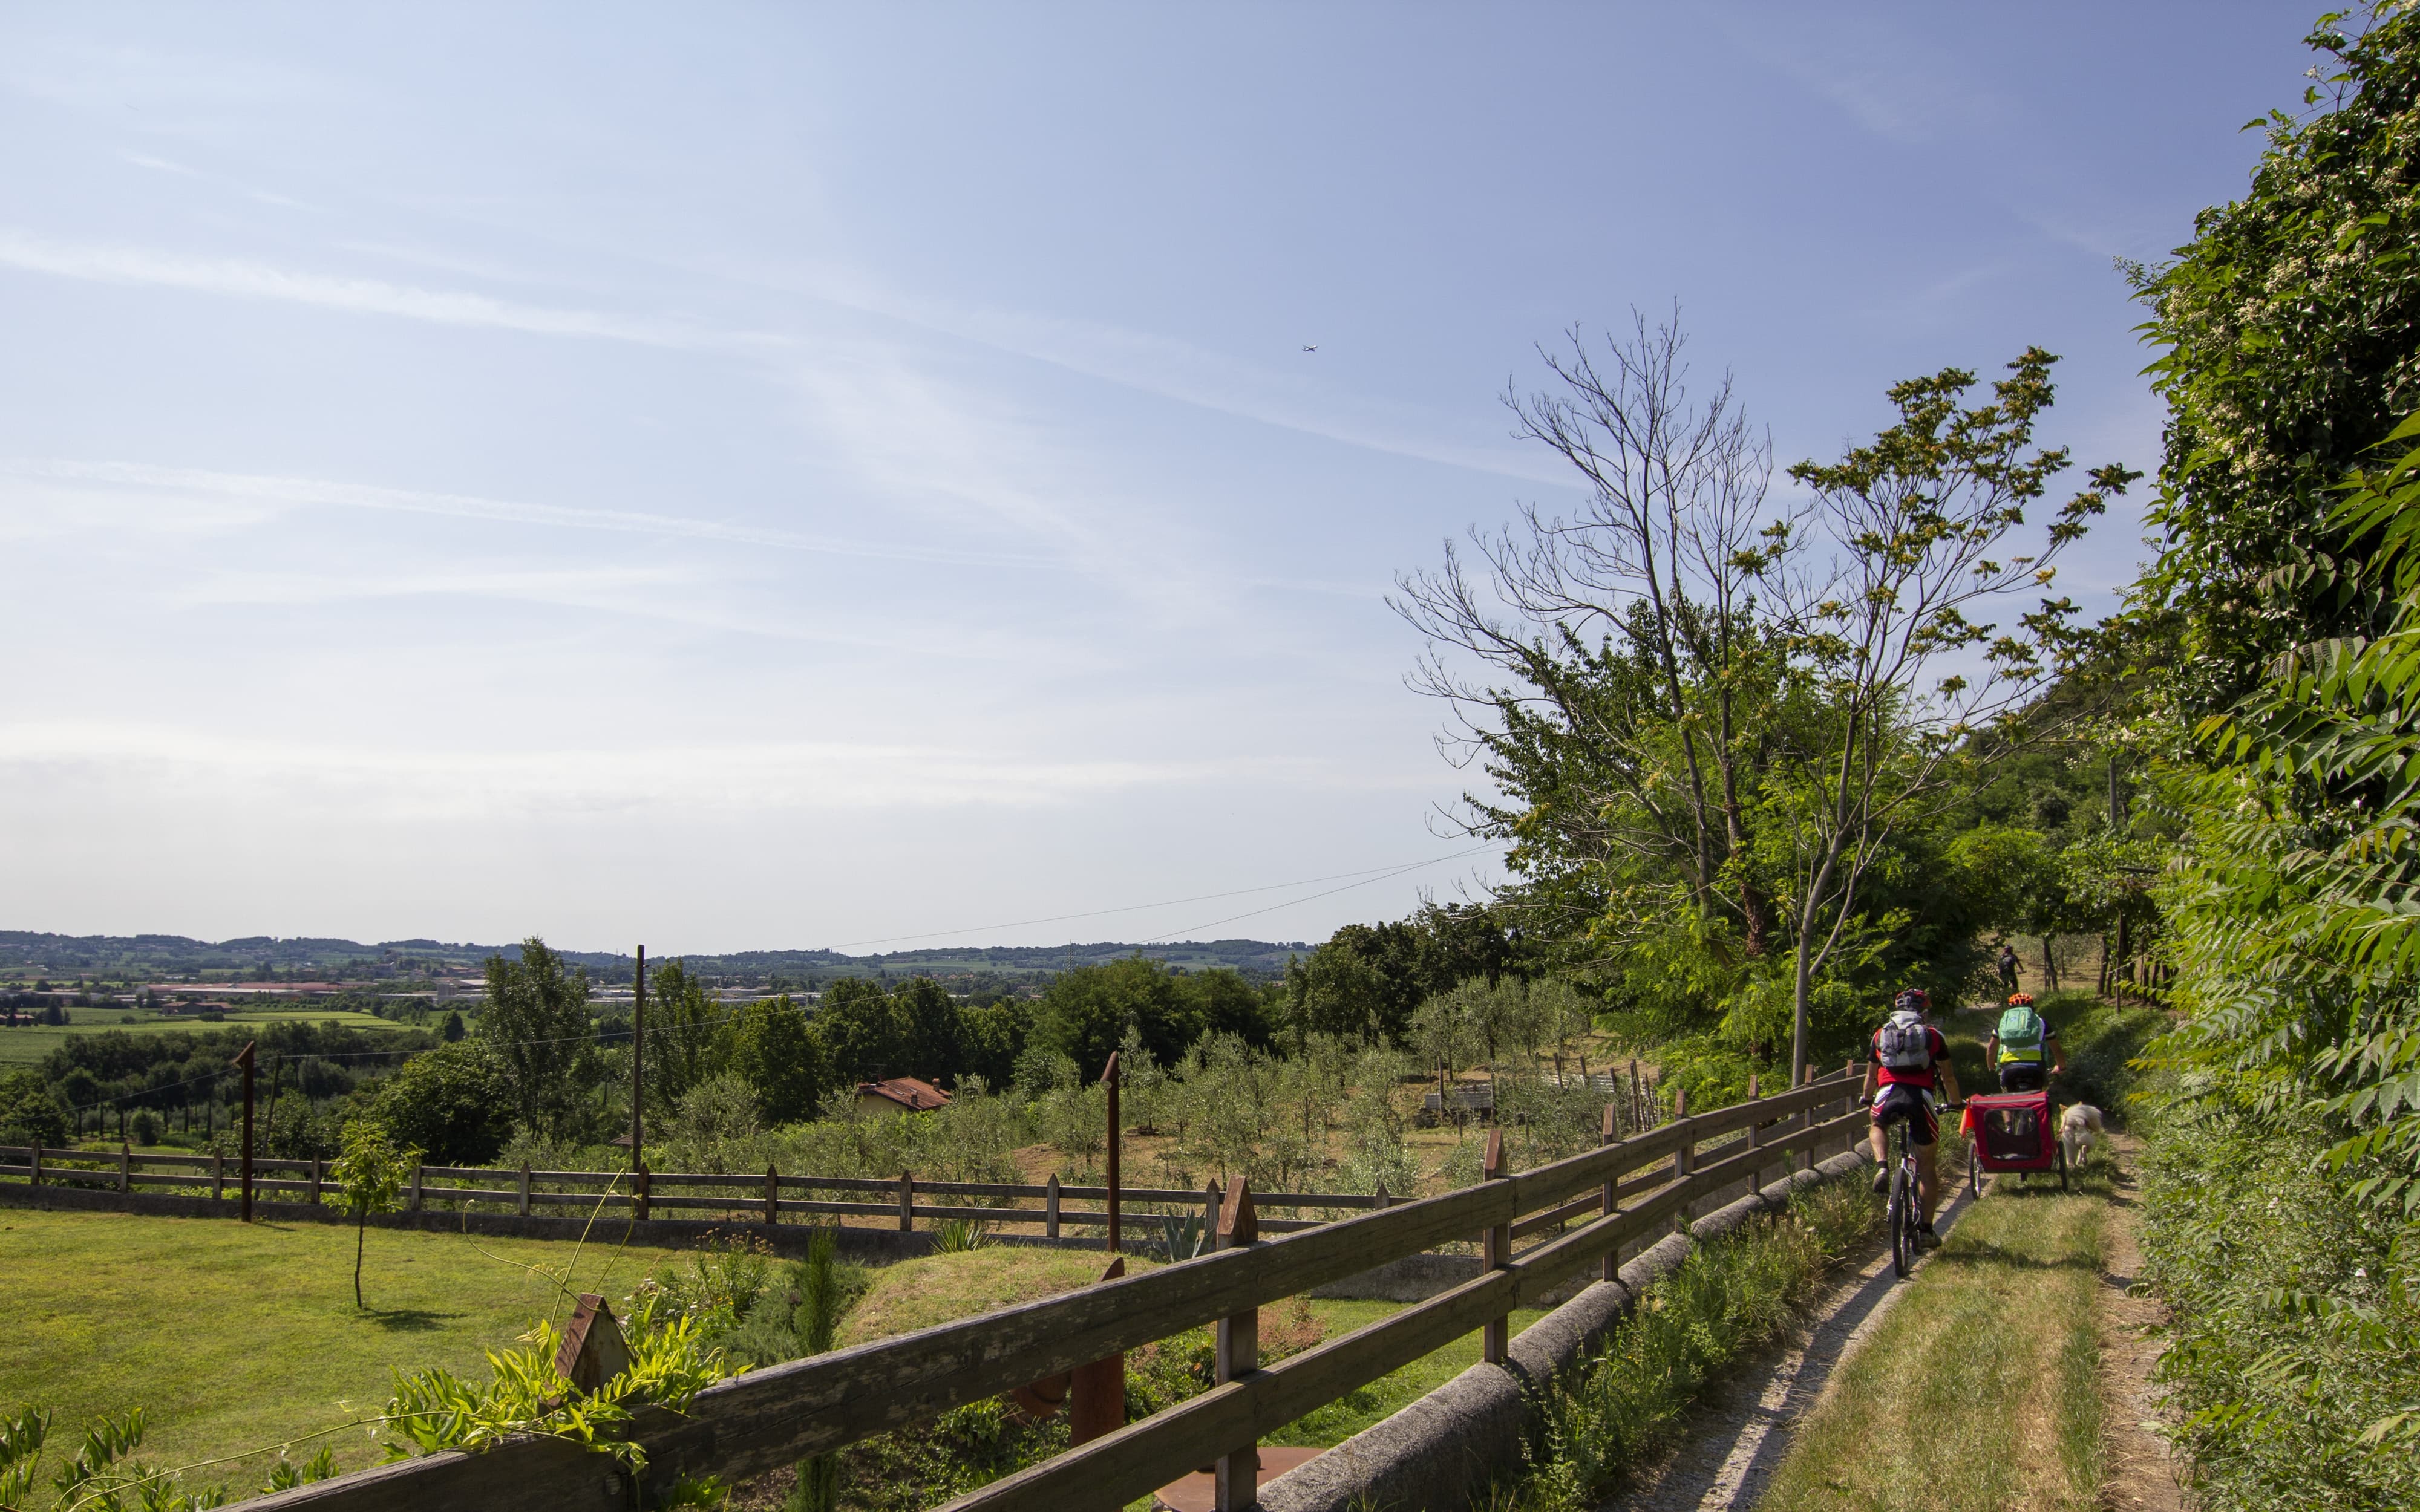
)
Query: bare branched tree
[{"x": 1616, "y": 630}]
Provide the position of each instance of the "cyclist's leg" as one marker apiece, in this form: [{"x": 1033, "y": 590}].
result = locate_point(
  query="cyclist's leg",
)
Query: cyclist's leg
[
  {"x": 1923, "y": 1126},
  {"x": 1877, "y": 1139}
]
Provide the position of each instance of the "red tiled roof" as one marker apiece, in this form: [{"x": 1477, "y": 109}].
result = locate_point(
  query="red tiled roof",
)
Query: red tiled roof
[{"x": 910, "y": 1093}]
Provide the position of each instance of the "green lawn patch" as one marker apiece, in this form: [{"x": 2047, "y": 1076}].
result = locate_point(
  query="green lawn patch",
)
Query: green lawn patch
[{"x": 235, "y": 1337}]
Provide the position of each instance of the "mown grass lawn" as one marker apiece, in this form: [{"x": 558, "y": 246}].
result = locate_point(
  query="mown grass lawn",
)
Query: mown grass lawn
[
  {"x": 1980, "y": 1390},
  {"x": 233, "y": 1338}
]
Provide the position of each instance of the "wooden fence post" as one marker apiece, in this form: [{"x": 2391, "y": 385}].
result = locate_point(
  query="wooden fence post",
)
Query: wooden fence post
[
  {"x": 1806, "y": 1126},
  {"x": 416, "y": 1186},
  {"x": 1097, "y": 1392},
  {"x": 1497, "y": 1337},
  {"x": 1755, "y": 1138},
  {"x": 1110, "y": 1079},
  {"x": 1211, "y": 1196},
  {"x": 524, "y": 1203},
  {"x": 1849, "y": 1089},
  {"x": 906, "y": 1203},
  {"x": 639, "y": 1190},
  {"x": 34, "y": 1162},
  {"x": 1236, "y": 1480},
  {"x": 125, "y": 1167},
  {"x": 1051, "y": 1206},
  {"x": 1607, "y": 1202},
  {"x": 772, "y": 1196},
  {"x": 317, "y": 1171},
  {"x": 218, "y": 1177},
  {"x": 1683, "y": 1158},
  {"x": 1383, "y": 1201}
]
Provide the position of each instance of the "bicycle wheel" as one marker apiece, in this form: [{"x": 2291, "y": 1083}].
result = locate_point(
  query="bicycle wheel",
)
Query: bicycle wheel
[{"x": 1902, "y": 1220}]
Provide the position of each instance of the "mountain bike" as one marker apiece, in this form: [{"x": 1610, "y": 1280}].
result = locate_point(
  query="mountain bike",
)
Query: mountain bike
[{"x": 1904, "y": 1220}]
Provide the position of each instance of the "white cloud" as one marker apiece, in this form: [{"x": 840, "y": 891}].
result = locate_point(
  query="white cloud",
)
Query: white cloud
[
  {"x": 123, "y": 486},
  {"x": 398, "y": 780},
  {"x": 240, "y": 279}
]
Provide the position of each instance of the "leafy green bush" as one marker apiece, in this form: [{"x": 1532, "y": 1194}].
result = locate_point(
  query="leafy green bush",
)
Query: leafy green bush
[
  {"x": 1621, "y": 1406},
  {"x": 2295, "y": 1306},
  {"x": 2102, "y": 1039}
]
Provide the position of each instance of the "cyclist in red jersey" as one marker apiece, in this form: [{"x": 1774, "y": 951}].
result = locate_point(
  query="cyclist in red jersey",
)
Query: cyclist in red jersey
[{"x": 1910, "y": 1063}]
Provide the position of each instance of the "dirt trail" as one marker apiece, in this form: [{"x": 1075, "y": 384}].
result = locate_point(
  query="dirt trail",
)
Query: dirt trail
[
  {"x": 1736, "y": 1439},
  {"x": 2142, "y": 1474},
  {"x": 1738, "y": 1435}
]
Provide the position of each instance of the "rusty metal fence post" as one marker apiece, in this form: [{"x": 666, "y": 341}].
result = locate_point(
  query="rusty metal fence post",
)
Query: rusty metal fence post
[
  {"x": 1235, "y": 1479},
  {"x": 1097, "y": 1392},
  {"x": 1497, "y": 1337}
]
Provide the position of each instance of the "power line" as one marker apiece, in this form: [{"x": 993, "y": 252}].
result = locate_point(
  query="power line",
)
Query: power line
[
  {"x": 1161, "y": 939},
  {"x": 1171, "y": 903}
]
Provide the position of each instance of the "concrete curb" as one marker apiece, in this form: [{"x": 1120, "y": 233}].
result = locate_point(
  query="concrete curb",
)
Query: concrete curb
[{"x": 1436, "y": 1453}]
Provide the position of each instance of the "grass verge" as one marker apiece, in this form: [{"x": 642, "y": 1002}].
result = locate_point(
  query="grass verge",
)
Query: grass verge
[
  {"x": 1980, "y": 1390},
  {"x": 1622, "y": 1407}
]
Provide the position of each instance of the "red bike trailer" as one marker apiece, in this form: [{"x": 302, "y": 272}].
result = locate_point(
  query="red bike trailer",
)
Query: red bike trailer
[{"x": 2012, "y": 1131}]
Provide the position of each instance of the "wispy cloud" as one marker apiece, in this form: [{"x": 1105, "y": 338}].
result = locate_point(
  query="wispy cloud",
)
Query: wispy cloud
[
  {"x": 294, "y": 493},
  {"x": 240, "y": 279},
  {"x": 1167, "y": 368},
  {"x": 437, "y": 781}
]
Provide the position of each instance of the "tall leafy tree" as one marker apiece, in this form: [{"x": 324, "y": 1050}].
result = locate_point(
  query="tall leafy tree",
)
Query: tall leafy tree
[
  {"x": 1920, "y": 526},
  {"x": 861, "y": 1031},
  {"x": 688, "y": 1034},
  {"x": 536, "y": 1025},
  {"x": 780, "y": 1055},
  {"x": 456, "y": 1103},
  {"x": 2290, "y": 328}
]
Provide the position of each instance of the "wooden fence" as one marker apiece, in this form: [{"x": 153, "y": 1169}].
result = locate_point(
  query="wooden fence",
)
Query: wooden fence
[
  {"x": 740, "y": 1195},
  {"x": 1624, "y": 1191}
]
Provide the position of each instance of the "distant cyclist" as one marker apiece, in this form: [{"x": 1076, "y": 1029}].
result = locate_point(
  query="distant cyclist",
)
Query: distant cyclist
[
  {"x": 1910, "y": 1063},
  {"x": 2023, "y": 1048},
  {"x": 2008, "y": 969}
]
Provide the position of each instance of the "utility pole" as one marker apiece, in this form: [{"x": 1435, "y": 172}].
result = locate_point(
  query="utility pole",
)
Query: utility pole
[
  {"x": 638, "y": 1058},
  {"x": 244, "y": 1059},
  {"x": 1109, "y": 1080}
]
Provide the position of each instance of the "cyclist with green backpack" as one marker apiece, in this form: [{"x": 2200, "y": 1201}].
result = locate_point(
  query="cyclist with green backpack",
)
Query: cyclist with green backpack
[{"x": 2023, "y": 1048}]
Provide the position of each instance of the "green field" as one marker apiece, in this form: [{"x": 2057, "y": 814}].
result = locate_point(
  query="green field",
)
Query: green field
[
  {"x": 25, "y": 1044},
  {"x": 233, "y": 1338}
]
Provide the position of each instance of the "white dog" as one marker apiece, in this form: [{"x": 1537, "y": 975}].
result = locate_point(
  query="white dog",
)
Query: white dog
[{"x": 2076, "y": 1128}]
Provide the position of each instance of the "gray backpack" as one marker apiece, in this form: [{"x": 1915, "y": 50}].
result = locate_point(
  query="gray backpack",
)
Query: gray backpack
[{"x": 1903, "y": 1043}]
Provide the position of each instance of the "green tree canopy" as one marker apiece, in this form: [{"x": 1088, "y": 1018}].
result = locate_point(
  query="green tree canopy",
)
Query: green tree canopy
[
  {"x": 455, "y": 1102},
  {"x": 780, "y": 1055}
]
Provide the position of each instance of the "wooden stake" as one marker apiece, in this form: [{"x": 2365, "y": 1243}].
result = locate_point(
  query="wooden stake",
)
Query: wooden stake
[
  {"x": 1051, "y": 1206},
  {"x": 1607, "y": 1203},
  {"x": 1235, "y": 1476},
  {"x": 1495, "y": 1340},
  {"x": 638, "y": 1081},
  {"x": 1109, "y": 1080},
  {"x": 244, "y": 1059}
]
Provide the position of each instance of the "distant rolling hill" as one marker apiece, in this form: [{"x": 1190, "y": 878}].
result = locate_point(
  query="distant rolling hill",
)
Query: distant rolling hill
[{"x": 23, "y": 952}]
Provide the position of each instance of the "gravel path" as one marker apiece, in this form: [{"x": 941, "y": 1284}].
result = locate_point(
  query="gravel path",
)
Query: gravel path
[{"x": 1734, "y": 1441}]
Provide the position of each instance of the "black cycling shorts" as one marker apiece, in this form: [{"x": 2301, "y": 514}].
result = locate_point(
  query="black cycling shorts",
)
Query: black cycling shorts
[
  {"x": 1899, "y": 1101},
  {"x": 2021, "y": 1077}
]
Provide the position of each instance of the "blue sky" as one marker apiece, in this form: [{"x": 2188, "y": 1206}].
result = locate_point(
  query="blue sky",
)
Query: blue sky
[{"x": 736, "y": 476}]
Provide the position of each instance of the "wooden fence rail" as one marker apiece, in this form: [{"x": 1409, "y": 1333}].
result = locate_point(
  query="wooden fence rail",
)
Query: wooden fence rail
[
  {"x": 743, "y": 1193},
  {"x": 773, "y": 1417}
]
